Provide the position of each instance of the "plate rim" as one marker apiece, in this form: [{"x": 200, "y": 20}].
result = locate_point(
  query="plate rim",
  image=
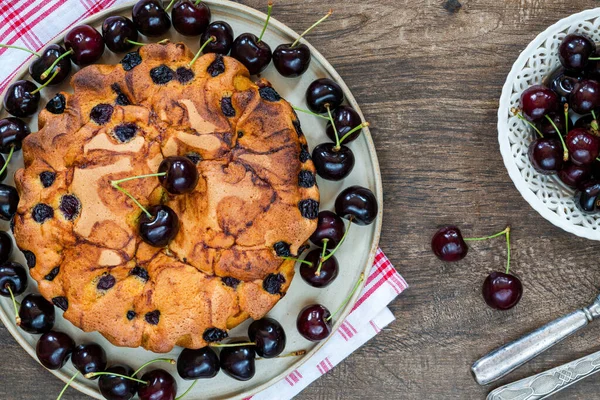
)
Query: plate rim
[
  {"x": 502, "y": 126},
  {"x": 287, "y": 31}
]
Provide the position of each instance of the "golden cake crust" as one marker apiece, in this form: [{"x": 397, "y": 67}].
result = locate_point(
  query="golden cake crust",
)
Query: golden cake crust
[{"x": 256, "y": 199}]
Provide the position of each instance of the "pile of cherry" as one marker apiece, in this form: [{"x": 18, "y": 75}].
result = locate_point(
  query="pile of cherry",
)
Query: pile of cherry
[
  {"x": 563, "y": 114},
  {"x": 159, "y": 224}
]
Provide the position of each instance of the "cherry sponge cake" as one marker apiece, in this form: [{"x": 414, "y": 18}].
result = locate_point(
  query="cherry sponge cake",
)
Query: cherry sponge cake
[{"x": 256, "y": 200}]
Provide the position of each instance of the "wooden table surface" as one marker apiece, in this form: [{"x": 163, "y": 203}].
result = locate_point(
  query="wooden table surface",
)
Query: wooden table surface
[{"x": 429, "y": 80}]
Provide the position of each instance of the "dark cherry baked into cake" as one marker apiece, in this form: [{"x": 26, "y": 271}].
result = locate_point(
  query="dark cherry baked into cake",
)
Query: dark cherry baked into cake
[{"x": 256, "y": 200}]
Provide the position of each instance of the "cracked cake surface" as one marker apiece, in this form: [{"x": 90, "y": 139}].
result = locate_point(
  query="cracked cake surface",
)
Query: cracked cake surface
[{"x": 256, "y": 200}]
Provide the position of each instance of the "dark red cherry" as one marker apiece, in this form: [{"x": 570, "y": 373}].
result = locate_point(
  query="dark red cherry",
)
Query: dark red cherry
[
  {"x": 254, "y": 54},
  {"x": 448, "y": 244},
  {"x": 12, "y": 275},
  {"x": 345, "y": 119},
  {"x": 314, "y": 323},
  {"x": 330, "y": 227},
  {"x": 585, "y": 97},
  {"x": 198, "y": 364},
  {"x": 181, "y": 175},
  {"x": 331, "y": 163},
  {"x": 223, "y": 34},
  {"x": 586, "y": 196},
  {"x": 322, "y": 92},
  {"x": 562, "y": 83},
  {"x": 115, "y": 387},
  {"x": 357, "y": 204},
  {"x": 45, "y": 61},
  {"x": 548, "y": 129},
  {"x": 161, "y": 228},
  {"x": 238, "y": 362},
  {"x": 9, "y": 200},
  {"x": 291, "y": 62},
  {"x": 574, "y": 175},
  {"x": 583, "y": 146},
  {"x": 12, "y": 133},
  {"x": 189, "y": 18},
  {"x": 575, "y": 50},
  {"x": 269, "y": 337},
  {"x": 117, "y": 30},
  {"x": 54, "y": 349},
  {"x": 546, "y": 155},
  {"x": 6, "y": 247},
  {"x": 37, "y": 314},
  {"x": 327, "y": 274},
  {"x": 89, "y": 358},
  {"x": 20, "y": 99},
  {"x": 87, "y": 44},
  {"x": 161, "y": 386},
  {"x": 150, "y": 18},
  {"x": 502, "y": 291}
]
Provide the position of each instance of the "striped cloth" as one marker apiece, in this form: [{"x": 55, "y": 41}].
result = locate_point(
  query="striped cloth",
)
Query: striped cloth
[{"x": 33, "y": 23}]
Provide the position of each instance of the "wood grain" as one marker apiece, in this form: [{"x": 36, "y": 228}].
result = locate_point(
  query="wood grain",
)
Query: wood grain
[{"x": 429, "y": 82}]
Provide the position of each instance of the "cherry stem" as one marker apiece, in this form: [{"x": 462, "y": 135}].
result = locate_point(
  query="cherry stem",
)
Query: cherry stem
[
  {"x": 362, "y": 278},
  {"x": 297, "y": 260},
  {"x": 488, "y": 237},
  {"x": 337, "y": 137},
  {"x": 119, "y": 181},
  {"x": 64, "y": 389},
  {"x": 51, "y": 67},
  {"x": 95, "y": 374},
  {"x": 211, "y": 39},
  {"x": 292, "y": 354},
  {"x": 194, "y": 383},
  {"x": 356, "y": 128},
  {"x": 231, "y": 344},
  {"x": 170, "y": 5},
  {"x": 594, "y": 58},
  {"x": 507, "y": 249},
  {"x": 322, "y": 259},
  {"x": 56, "y": 71},
  {"x": 135, "y": 43},
  {"x": 594, "y": 123},
  {"x": 302, "y": 110},
  {"x": 566, "y": 108},
  {"x": 517, "y": 114},
  {"x": 10, "y": 154},
  {"x": 14, "y": 301},
  {"x": 196, "y": 3},
  {"x": 169, "y": 360},
  {"x": 122, "y": 190},
  {"x": 565, "y": 150},
  {"x": 9, "y": 46},
  {"x": 269, "y": 11},
  {"x": 332, "y": 252},
  {"x": 313, "y": 26}
]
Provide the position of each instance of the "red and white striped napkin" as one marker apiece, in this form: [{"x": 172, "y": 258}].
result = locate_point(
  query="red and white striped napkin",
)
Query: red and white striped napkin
[{"x": 33, "y": 23}]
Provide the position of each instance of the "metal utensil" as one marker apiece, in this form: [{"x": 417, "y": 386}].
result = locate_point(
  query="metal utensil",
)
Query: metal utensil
[
  {"x": 509, "y": 357},
  {"x": 545, "y": 384}
]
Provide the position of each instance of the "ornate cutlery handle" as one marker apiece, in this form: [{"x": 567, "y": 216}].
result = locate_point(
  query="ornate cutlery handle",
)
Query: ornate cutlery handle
[
  {"x": 507, "y": 358},
  {"x": 545, "y": 384}
]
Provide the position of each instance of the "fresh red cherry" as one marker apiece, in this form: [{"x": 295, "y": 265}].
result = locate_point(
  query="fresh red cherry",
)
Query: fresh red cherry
[
  {"x": 574, "y": 175},
  {"x": 37, "y": 314},
  {"x": 87, "y": 44},
  {"x": 14, "y": 276},
  {"x": 12, "y": 133},
  {"x": 160, "y": 386},
  {"x": 562, "y": 83},
  {"x": 331, "y": 163},
  {"x": 6, "y": 247},
  {"x": 575, "y": 51},
  {"x": 502, "y": 291},
  {"x": 583, "y": 146},
  {"x": 345, "y": 119},
  {"x": 119, "y": 33},
  {"x": 115, "y": 387},
  {"x": 190, "y": 17},
  {"x": 89, "y": 358},
  {"x": 48, "y": 57},
  {"x": 160, "y": 227},
  {"x": 538, "y": 101},
  {"x": 150, "y": 18},
  {"x": 238, "y": 362},
  {"x": 9, "y": 200},
  {"x": 586, "y": 196},
  {"x": 585, "y": 96},
  {"x": 358, "y": 204},
  {"x": 269, "y": 336},
  {"x": 198, "y": 363},
  {"x": 448, "y": 244},
  {"x": 324, "y": 92},
  {"x": 548, "y": 129},
  {"x": 22, "y": 99},
  {"x": 251, "y": 50},
  {"x": 54, "y": 349},
  {"x": 181, "y": 175},
  {"x": 223, "y": 34},
  {"x": 314, "y": 276},
  {"x": 314, "y": 323},
  {"x": 546, "y": 155},
  {"x": 330, "y": 227}
]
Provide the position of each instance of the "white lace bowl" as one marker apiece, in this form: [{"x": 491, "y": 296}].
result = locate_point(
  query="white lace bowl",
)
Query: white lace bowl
[{"x": 546, "y": 194}]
